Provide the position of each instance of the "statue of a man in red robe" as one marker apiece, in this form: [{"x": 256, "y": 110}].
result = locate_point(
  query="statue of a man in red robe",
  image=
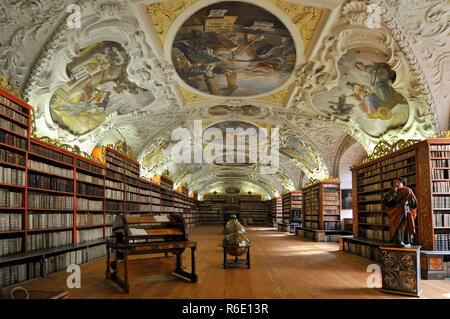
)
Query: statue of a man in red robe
[{"x": 401, "y": 203}]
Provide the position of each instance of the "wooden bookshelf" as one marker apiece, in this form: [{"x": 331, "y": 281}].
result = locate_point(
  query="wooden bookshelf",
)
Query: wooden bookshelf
[
  {"x": 57, "y": 207},
  {"x": 321, "y": 212},
  {"x": 277, "y": 210},
  {"x": 292, "y": 210},
  {"x": 430, "y": 181}
]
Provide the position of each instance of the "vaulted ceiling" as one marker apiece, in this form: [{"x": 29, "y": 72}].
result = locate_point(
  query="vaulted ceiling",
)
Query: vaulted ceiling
[{"x": 325, "y": 74}]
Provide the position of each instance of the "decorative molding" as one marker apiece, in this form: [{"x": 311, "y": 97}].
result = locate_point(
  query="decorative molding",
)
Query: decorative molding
[
  {"x": 122, "y": 147},
  {"x": 163, "y": 14},
  {"x": 384, "y": 148},
  {"x": 305, "y": 18},
  {"x": 324, "y": 179}
]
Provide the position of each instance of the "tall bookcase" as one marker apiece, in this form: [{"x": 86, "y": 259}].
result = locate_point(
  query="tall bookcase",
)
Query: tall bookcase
[
  {"x": 57, "y": 207},
  {"x": 426, "y": 168},
  {"x": 292, "y": 209},
  {"x": 321, "y": 212},
  {"x": 277, "y": 210}
]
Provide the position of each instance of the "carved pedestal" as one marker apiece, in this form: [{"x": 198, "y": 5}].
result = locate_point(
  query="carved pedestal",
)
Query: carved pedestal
[{"x": 401, "y": 270}]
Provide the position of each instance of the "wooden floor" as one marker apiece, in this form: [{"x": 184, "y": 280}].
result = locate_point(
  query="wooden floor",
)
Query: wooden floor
[{"x": 283, "y": 266}]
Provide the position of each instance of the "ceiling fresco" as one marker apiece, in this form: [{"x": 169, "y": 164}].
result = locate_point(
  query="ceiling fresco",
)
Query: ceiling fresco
[
  {"x": 138, "y": 70},
  {"x": 98, "y": 86},
  {"x": 365, "y": 93},
  {"x": 233, "y": 49}
]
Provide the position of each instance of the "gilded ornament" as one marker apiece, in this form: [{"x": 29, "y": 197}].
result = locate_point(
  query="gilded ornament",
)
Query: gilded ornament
[
  {"x": 383, "y": 148},
  {"x": 122, "y": 147}
]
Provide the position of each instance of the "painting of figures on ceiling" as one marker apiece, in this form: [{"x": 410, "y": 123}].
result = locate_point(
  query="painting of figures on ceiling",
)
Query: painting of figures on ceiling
[
  {"x": 295, "y": 149},
  {"x": 365, "y": 93},
  {"x": 233, "y": 49},
  {"x": 98, "y": 86}
]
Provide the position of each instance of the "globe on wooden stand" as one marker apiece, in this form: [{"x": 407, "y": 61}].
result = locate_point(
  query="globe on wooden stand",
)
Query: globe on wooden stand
[{"x": 235, "y": 242}]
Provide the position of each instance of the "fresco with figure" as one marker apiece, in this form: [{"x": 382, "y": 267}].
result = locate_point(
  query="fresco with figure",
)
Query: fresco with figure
[
  {"x": 98, "y": 86},
  {"x": 365, "y": 93},
  {"x": 233, "y": 49}
]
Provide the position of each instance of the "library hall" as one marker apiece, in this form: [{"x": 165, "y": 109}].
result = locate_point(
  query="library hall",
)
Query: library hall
[{"x": 193, "y": 152}]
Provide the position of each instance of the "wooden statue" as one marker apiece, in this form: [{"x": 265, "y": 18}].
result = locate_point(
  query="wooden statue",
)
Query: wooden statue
[{"x": 402, "y": 204}]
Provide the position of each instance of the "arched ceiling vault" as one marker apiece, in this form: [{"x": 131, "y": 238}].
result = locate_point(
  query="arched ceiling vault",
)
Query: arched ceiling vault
[{"x": 141, "y": 69}]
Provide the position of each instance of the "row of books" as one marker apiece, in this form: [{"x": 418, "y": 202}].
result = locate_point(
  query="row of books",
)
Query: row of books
[
  {"x": 10, "y": 198},
  {"x": 50, "y": 201},
  {"x": 90, "y": 167},
  {"x": 332, "y": 225},
  {"x": 441, "y": 201},
  {"x": 367, "y": 197},
  {"x": 131, "y": 188},
  {"x": 46, "y": 220},
  {"x": 89, "y": 189},
  {"x": 362, "y": 250},
  {"x": 10, "y": 275},
  {"x": 145, "y": 208},
  {"x": 326, "y": 201},
  {"x": 373, "y": 218},
  {"x": 17, "y": 116},
  {"x": 440, "y": 154},
  {"x": 12, "y": 104},
  {"x": 400, "y": 172},
  {"x": 133, "y": 206},
  {"x": 89, "y": 234},
  {"x": 50, "y": 182},
  {"x": 43, "y": 167},
  {"x": 89, "y": 219},
  {"x": 13, "y": 140},
  {"x": 109, "y": 218},
  {"x": 442, "y": 242},
  {"x": 330, "y": 218},
  {"x": 398, "y": 164},
  {"x": 114, "y": 194},
  {"x": 113, "y": 205},
  {"x": 372, "y": 207},
  {"x": 146, "y": 192},
  {"x": 311, "y": 224},
  {"x": 10, "y": 221},
  {"x": 11, "y": 157},
  {"x": 47, "y": 152},
  {"x": 113, "y": 184},
  {"x": 133, "y": 197},
  {"x": 113, "y": 158},
  {"x": 441, "y": 219},
  {"x": 115, "y": 168},
  {"x": 115, "y": 175},
  {"x": 10, "y": 246},
  {"x": 369, "y": 180},
  {"x": 49, "y": 240},
  {"x": 89, "y": 204},
  {"x": 440, "y": 147},
  {"x": 400, "y": 157},
  {"x": 132, "y": 174},
  {"x": 375, "y": 234},
  {"x": 4, "y": 123},
  {"x": 441, "y": 174},
  {"x": 13, "y": 176},
  {"x": 444, "y": 163},
  {"x": 89, "y": 178},
  {"x": 441, "y": 187},
  {"x": 330, "y": 211},
  {"x": 132, "y": 180}
]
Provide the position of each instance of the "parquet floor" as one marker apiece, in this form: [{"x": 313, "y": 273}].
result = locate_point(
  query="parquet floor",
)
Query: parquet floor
[{"x": 283, "y": 266}]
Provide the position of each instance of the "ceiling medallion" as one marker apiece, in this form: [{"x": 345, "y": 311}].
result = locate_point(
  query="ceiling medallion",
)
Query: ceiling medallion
[{"x": 233, "y": 49}]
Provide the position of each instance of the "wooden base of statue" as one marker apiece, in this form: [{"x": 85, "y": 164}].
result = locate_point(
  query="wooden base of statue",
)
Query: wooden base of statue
[
  {"x": 401, "y": 270},
  {"x": 236, "y": 262}
]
